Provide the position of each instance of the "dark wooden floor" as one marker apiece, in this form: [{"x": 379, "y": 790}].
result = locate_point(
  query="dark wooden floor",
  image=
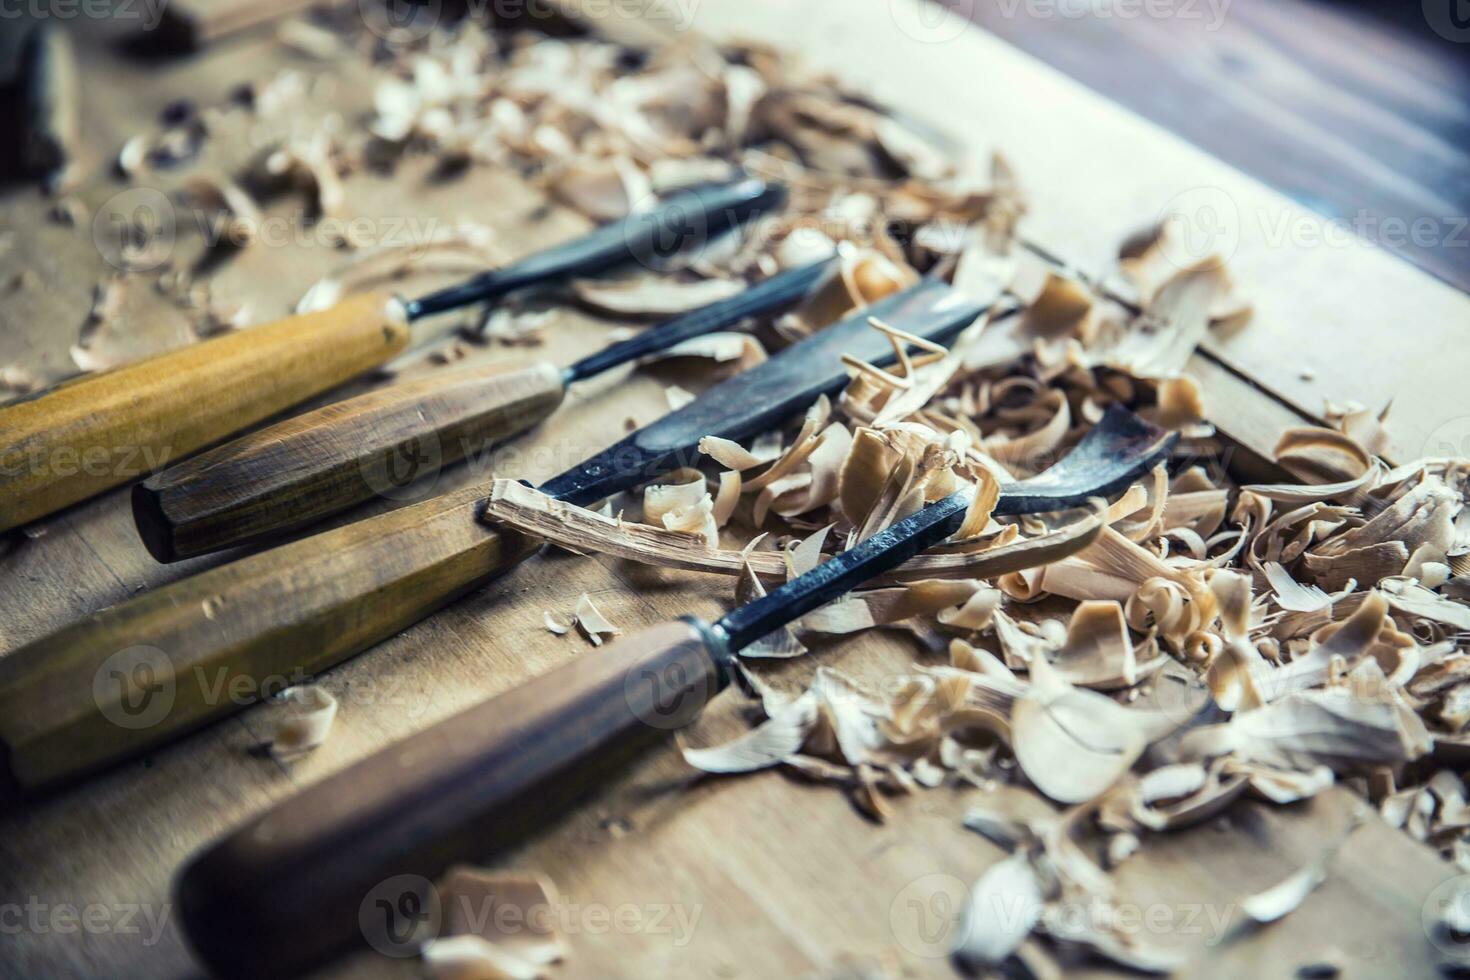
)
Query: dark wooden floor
[{"x": 1359, "y": 109}]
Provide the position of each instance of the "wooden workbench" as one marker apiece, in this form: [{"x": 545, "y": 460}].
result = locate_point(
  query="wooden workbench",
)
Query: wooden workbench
[{"x": 752, "y": 876}]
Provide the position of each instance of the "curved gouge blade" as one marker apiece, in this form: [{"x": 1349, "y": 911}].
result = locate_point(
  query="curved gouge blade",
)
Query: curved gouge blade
[
  {"x": 304, "y": 469},
  {"x": 69, "y": 702},
  {"x": 292, "y": 880},
  {"x": 1118, "y": 450}
]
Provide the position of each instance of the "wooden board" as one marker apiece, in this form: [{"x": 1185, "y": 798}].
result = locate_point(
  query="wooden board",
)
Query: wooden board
[
  {"x": 746, "y": 877},
  {"x": 1283, "y": 90}
]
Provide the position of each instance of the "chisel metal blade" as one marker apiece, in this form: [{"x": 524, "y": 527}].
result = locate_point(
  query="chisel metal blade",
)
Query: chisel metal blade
[
  {"x": 1118, "y": 450},
  {"x": 770, "y": 393}
]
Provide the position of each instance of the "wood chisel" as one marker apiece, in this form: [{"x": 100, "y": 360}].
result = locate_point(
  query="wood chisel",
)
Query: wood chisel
[
  {"x": 149, "y": 669},
  {"x": 298, "y": 471}
]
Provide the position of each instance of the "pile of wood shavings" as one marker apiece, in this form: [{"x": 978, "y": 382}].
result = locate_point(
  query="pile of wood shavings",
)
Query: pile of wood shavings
[
  {"x": 1216, "y": 640},
  {"x": 601, "y": 128},
  {"x": 1223, "y": 640}
]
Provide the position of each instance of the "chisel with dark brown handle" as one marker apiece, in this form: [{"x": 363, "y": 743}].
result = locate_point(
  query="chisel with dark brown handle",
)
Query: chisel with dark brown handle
[
  {"x": 298, "y": 471},
  {"x": 156, "y": 666},
  {"x": 305, "y": 880},
  {"x": 97, "y": 432}
]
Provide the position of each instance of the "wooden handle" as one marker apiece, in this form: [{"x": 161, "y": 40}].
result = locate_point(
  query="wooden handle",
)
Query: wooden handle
[
  {"x": 298, "y": 471},
  {"x": 153, "y": 667},
  {"x": 90, "y": 435},
  {"x": 314, "y": 875}
]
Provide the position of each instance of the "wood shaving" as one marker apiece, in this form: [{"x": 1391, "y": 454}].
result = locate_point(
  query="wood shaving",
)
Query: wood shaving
[
  {"x": 471, "y": 958},
  {"x": 506, "y": 912},
  {"x": 654, "y": 297},
  {"x": 1003, "y": 907},
  {"x": 17, "y": 380},
  {"x": 593, "y": 624},
  {"x": 310, "y": 711},
  {"x": 233, "y": 219}
]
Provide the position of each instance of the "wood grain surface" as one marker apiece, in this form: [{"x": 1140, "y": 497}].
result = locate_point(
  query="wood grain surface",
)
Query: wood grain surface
[
  {"x": 1356, "y": 109},
  {"x": 745, "y": 877}
]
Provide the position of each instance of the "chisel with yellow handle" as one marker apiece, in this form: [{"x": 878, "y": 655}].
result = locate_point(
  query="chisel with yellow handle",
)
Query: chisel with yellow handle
[
  {"x": 82, "y": 437},
  {"x": 313, "y": 876},
  {"x": 150, "y": 669},
  {"x": 301, "y": 470}
]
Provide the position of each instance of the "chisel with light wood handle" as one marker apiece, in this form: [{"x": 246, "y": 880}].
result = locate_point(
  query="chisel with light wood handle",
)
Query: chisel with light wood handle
[
  {"x": 298, "y": 471},
  {"x": 143, "y": 672},
  {"x": 312, "y": 876},
  {"x": 94, "y": 433}
]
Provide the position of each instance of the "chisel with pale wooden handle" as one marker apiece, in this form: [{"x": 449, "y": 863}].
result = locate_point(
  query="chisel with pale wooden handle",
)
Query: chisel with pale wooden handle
[
  {"x": 147, "y": 670},
  {"x": 85, "y": 436},
  {"x": 306, "y": 468},
  {"x": 312, "y": 876}
]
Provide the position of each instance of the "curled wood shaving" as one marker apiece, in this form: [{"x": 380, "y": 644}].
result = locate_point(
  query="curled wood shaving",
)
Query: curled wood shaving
[
  {"x": 233, "y": 217},
  {"x": 1003, "y": 907},
  {"x": 1072, "y": 743},
  {"x": 506, "y": 911},
  {"x": 310, "y": 711},
  {"x": 308, "y": 165},
  {"x": 654, "y": 297},
  {"x": 593, "y": 624}
]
